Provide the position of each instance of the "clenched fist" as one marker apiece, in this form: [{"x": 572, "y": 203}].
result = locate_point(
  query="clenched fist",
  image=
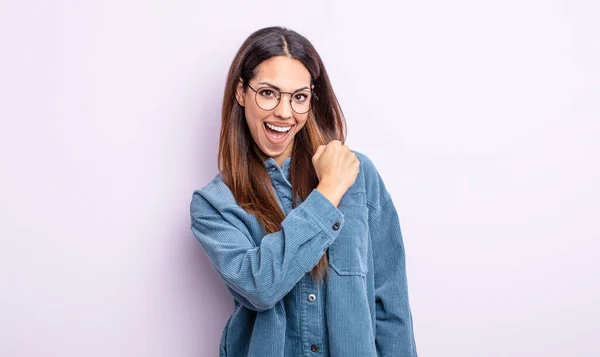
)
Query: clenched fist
[{"x": 336, "y": 167}]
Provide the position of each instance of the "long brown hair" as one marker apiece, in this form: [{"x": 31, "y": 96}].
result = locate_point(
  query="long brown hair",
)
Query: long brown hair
[{"x": 239, "y": 163}]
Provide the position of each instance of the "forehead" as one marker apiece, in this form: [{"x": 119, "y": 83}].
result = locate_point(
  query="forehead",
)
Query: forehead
[{"x": 284, "y": 72}]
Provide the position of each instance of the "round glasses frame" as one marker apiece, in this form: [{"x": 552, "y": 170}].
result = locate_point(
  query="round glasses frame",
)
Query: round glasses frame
[{"x": 312, "y": 95}]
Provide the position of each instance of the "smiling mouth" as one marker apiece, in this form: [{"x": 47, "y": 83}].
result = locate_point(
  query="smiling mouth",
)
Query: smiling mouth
[{"x": 277, "y": 134}]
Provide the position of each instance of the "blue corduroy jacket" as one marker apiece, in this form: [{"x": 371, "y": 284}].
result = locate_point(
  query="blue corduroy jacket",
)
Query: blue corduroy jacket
[{"x": 361, "y": 310}]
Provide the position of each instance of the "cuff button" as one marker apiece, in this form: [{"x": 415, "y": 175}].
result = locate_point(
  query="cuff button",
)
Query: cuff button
[{"x": 336, "y": 226}]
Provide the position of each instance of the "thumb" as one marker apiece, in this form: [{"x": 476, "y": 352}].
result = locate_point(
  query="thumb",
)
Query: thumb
[{"x": 319, "y": 151}]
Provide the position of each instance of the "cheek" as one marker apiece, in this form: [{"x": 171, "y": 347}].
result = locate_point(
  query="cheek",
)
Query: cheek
[
  {"x": 300, "y": 122},
  {"x": 249, "y": 106},
  {"x": 253, "y": 116}
]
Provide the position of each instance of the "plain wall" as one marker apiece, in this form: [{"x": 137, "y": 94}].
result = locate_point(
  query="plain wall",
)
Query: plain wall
[{"x": 482, "y": 117}]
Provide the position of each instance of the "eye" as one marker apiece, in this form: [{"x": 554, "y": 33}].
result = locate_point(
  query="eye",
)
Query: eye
[
  {"x": 300, "y": 97},
  {"x": 267, "y": 93}
]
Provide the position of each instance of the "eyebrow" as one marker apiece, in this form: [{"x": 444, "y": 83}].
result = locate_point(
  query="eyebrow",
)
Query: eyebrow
[{"x": 279, "y": 89}]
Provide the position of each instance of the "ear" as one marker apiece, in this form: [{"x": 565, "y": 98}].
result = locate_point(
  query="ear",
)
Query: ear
[{"x": 239, "y": 92}]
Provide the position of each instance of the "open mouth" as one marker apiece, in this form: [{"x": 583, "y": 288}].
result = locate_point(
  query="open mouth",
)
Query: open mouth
[{"x": 277, "y": 134}]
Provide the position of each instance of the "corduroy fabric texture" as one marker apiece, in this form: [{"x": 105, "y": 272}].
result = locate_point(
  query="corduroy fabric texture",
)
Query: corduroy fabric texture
[{"x": 362, "y": 309}]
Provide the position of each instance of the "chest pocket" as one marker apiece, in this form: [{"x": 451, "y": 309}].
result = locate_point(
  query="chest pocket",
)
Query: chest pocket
[{"x": 348, "y": 252}]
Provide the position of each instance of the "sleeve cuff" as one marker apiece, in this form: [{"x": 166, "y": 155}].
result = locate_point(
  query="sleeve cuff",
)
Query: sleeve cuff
[{"x": 324, "y": 213}]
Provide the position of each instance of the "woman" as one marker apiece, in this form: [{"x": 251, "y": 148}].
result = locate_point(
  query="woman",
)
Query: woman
[{"x": 301, "y": 228}]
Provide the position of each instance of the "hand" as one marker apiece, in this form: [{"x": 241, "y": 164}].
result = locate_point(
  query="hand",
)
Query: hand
[{"x": 336, "y": 168}]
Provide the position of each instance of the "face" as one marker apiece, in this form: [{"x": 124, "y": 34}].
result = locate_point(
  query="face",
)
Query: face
[{"x": 287, "y": 75}]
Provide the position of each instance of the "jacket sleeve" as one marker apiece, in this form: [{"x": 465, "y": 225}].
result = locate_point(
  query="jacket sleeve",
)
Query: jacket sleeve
[
  {"x": 394, "y": 335},
  {"x": 260, "y": 276},
  {"x": 394, "y": 327}
]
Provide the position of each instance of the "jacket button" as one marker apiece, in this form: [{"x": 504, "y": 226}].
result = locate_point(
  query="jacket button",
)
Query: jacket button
[
  {"x": 314, "y": 348},
  {"x": 312, "y": 297},
  {"x": 336, "y": 226}
]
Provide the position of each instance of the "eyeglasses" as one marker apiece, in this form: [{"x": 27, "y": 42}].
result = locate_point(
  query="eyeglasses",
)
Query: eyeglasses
[{"x": 268, "y": 98}]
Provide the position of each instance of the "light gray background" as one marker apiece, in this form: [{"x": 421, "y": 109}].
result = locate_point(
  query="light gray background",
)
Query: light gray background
[{"x": 482, "y": 117}]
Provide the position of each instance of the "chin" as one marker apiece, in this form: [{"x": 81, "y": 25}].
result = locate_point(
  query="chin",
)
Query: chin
[{"x": 272, "y": 153}]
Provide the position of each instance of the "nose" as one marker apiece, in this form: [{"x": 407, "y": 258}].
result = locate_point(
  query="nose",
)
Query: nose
[{"x": 284, "y": 108}]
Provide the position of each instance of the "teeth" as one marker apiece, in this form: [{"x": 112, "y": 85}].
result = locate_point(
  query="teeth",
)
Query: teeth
[{"x": 277, "y": 128}]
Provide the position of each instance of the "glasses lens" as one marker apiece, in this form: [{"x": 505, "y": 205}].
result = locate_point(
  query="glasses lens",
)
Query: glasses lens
[
  {"x": 301, "y": 101},
  {"x": 267, "y": 98}
]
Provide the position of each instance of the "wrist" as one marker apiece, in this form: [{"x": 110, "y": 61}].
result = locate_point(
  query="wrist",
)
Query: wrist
[{"x": 332, "y": 192}]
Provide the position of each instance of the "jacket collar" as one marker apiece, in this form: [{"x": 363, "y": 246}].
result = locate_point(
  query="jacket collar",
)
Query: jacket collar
[{"x": 270, "y": 163}]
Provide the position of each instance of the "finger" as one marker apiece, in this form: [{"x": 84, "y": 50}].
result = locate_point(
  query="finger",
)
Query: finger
[{"x": 319, "y": 151}]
